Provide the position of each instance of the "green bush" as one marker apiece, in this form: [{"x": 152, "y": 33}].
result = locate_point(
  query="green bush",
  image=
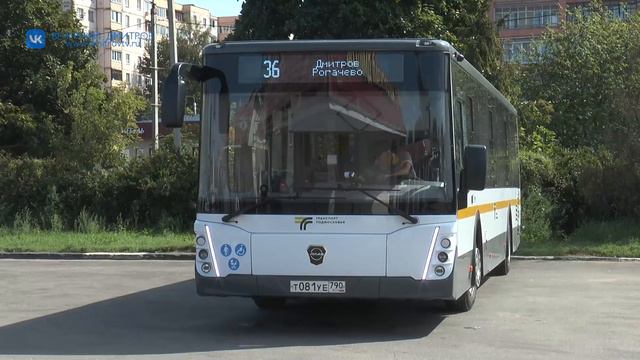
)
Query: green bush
[
  {"x": 88, "y": 223},
  {"x": 537, "y": 217},
  {"x": 155, "y": 192},
  {"x": 24, "y": 222}
]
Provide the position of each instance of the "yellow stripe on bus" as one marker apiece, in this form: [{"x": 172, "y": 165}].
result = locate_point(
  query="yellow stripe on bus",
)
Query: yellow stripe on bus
[{"x": 482, "y": 208}]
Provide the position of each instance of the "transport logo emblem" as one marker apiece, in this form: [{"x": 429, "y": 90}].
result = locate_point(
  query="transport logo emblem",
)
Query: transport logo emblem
[
  {"x": 304, "y": 221},
  {"x": 316, "y": 254}
]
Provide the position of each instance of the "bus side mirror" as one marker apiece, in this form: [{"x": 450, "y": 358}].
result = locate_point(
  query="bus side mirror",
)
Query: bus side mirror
[
  {"x": 174, "y": 90},
  {"x": 174, "y": 93},
  {"x": 475, "y": 167}
]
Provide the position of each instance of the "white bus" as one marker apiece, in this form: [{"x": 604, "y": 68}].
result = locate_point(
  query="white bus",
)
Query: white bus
[{"x": 376, "y": 169}]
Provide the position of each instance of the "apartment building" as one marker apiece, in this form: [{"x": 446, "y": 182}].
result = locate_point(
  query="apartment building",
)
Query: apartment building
[
  {"x": 226, "y": 25},
  {"x": 521, "y": 21},
  {"x": 122, "y": 29}
]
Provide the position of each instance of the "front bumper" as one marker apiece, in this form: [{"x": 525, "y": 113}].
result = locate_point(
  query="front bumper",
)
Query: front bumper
[{"x": 357, "y": 287}]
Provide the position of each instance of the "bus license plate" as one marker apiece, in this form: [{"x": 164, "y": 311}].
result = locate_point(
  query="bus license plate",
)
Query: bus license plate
[{"x": 320, "y": 287}]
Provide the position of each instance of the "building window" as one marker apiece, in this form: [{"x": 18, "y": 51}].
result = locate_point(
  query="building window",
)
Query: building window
[
  {"x": 116, "y": 75},
  {"x": 80, "y": 13},
  {"x": 139, "y": 5},
  {"x": 128, "y": 78},
  {"x": 516, "y": 50},
  {"x": 525, "y": 17},
  {"x": 116, "y": 1},
  {"x": 162, "y": 12},
  {"x": 116, "y": 36},
  {"x": 179, "y": 16},
  {"x": 116, "y": 17},
  {"x": 162, "y": 30},
  {"x": 92, "y": 16},
  {"x": 126, "y": 20},
  {"x": 195, "y": 19},
  {"x": 204, "y": 22},
  {"x": 128, "y": 59},
  {"x": 619, "y": 10},
  {"x": 116, "y": 56},
  {"x": 139, "y": 24},
  {"x": 126, "y": 3}
]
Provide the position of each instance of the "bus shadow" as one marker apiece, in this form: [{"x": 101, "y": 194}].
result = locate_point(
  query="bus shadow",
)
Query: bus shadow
[{"x": 172, "y": 319}]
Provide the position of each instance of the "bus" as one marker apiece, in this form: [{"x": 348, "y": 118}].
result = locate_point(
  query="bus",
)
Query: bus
[{"x": 366, "y": 169}]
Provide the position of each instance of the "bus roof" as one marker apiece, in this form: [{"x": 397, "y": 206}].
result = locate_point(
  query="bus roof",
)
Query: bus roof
[{"x": 259, "y": 46}]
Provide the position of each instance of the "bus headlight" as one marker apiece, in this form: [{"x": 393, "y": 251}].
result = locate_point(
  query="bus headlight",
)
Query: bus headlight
[
  {"x": 443, "y": 257},
  {"x": 445, "y": 243},
  {"x": 200, "y": 240},
  {"x": 206, "y": 267},
  {"x": 203, "y": 254},
  {"x": 439, "y": 270}
]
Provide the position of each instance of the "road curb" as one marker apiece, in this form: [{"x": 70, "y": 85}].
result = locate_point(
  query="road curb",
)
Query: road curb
[
  {"x": 576, "y": 258},
  {"x": 98, "y": 256}
]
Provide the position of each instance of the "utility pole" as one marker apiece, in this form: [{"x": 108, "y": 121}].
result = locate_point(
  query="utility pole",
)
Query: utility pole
[
  {"x": 154, "y": 60},
  {"x": 173, "y": 58}
]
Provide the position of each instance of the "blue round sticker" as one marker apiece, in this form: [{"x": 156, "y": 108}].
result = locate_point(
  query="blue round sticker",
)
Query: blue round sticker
[
  {"x": 234, "y": 264},
  {"x": 225, "y": 250},
  {"x": 241, "y": 249}
]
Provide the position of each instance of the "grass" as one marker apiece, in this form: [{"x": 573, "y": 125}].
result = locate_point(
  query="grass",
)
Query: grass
[
  {"x": 620, "y": 238},
  {"x": 103, "y": 241}
]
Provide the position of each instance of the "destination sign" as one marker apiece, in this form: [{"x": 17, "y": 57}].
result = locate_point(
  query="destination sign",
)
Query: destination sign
[{"x": 377, "y": 67}]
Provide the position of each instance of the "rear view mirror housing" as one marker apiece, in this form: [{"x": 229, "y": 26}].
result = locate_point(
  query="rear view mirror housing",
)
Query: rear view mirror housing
[
  {"x": 174, "y": 91},
  {"x": 475, "y": 167}
]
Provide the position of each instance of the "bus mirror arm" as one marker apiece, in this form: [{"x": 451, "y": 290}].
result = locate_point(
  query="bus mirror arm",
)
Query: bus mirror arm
[
  {"x": 474, "y": 173},
  {"x": 175, "y": 90}
]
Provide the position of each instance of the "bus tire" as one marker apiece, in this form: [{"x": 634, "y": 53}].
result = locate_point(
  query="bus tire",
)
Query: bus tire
[
  {"x": 466, "y": 301},
  {"x": 505, "y": 266},
  {"x": 269, "y": 303}
]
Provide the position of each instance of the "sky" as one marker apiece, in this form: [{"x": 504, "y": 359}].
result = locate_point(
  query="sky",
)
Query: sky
[{"x": 218, "y": 7}]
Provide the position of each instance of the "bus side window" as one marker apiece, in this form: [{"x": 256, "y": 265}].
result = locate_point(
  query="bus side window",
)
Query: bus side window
[
  {"x": 491, "y": 132},
  {"x": 470, "y": 130},
  {"x": 458, "y": 134}
]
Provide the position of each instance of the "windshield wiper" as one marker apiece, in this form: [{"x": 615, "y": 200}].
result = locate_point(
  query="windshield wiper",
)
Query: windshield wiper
[
  {"x": 394, "y": 210},
  {"x": 263, "y": 201}
]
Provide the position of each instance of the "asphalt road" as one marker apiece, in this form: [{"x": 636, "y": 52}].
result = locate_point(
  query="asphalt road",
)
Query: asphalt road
[{"x": 101, "y": 309}]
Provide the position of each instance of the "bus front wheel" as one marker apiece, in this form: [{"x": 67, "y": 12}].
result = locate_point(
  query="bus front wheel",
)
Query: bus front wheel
[{"x": 466, "y": 301}]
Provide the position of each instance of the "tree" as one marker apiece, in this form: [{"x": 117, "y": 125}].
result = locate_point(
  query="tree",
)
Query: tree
[
  {"x": 580, "y": 117},
  {"x": 53, "y": 101},
  {"x": 191, "y": 39},
  {"x": 465, "y": 23},
  {"x": 590, "y": 74},
  {"x": 29, "y": 79}
]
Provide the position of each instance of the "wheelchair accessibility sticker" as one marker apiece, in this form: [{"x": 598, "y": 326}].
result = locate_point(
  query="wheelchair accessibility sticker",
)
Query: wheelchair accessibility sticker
[{"x": 241, "y": 249}]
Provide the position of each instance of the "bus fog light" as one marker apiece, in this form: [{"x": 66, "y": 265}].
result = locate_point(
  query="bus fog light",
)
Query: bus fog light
[
  {"x": 443, "y": 257},
  {"x": 200, "y": 241},
  {"x": 445, "y": 243},
  {"x": 439, "y": 270},
  {"x": 203, "y": 254},
  {"x": 206, "y": 267}
]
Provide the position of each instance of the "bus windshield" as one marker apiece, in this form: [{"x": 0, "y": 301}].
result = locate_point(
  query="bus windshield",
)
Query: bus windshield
[{"x": 305, "y": 130}]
